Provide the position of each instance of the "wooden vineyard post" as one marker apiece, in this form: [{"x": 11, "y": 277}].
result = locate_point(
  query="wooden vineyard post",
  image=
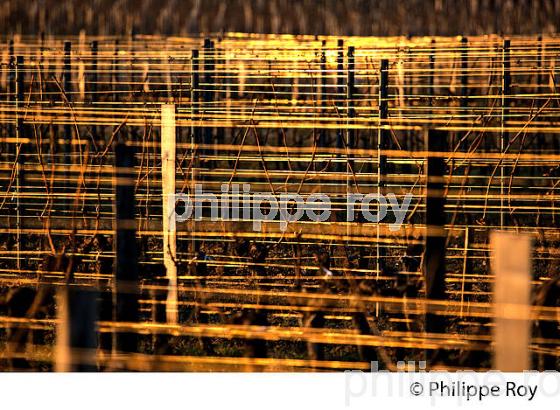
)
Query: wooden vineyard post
[
  {"x": 67, "y": 128},
  {"x": 431, "y": 69},
  {"x": 463, "y": 148},
  {"x": 220, "y": 81},
  {"x": 464, "y": 70},
  {"x": 168, "y": 135},
  {"x": 350, "y": 131},
  {"x": 350, "y": 104},
  {"x": 196, "y": 103},
  {"x": 540, "y": 64},
  {"x": 76, "y": 337},
  {"x": 511, "y": 267},
  {"x": 323, "y": 95},
  {"x": 340, "y": 92},
  {"x": 195, "y": 95},
  {"x": 127, "y": 278},
  {"x": 539, "y": 89},
  {"x": 467, "y": 264},
  {"x": 93, "y": 84},
  {"x": 115, "y": 77},
  {"x": 504, "y": 139},
  {"x": 434, "y": 254},
  {"x": 20, "y": 153},
  {"x": 11, "y": 84},
  {"x": 231, "y": 92},
  {"x": 67, "y": 87},
  {"x": 81, "y": 76},
  {"x": 195, "y": 130},
  {"x": 208, "y": 94},
  {"x": 105, "y": 304},
  {"x": 463, "y": 102},
  {"x": 382, "y": 144}
]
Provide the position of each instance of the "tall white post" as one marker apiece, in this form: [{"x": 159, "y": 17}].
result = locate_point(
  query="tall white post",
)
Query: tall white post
[
  {"x": 511, "y": 266},
  {"x": 168, "y": 156}
]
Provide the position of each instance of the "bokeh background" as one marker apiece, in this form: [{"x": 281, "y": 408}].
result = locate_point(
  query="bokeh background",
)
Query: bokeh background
[{"x": 333, "y": 17}]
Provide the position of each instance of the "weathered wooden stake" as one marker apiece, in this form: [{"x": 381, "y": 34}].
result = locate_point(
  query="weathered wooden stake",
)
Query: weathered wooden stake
[
  {"x": 540, "y": 64},
  {"x": 431, "y": 69},
  {"x": 467, "y": 264},
  {"x": 93, "y": 83},
  {"x": 67, "y": 87},
  {"x": 383, "y": 137},
  {"x": 511, "y": 267},
  {"x": 11, "y": 85},
  {"x": 323, "y": 95},
  {"x": 115, "y": 77},
  {"x": 504, "y": 140},
  {"x": 350, "y": 114},
  {"x": 127, "y": 278},
  {"x": 82, "y": 76},
  {"x": 168, "y": 155},
  {"x": 340, "y": 91},
  {"x": 195, "y": 130},
  {"x": 208, "y": 94},
  {"x": 434, "y": 253},
  {"x": 76, "y": 337},
  {"x": 219, "y": 84},
  {"x": 20, "y": 182},
  {"x": 195, "y": 95},
  {"x": 464, "y": 70},
  {"x": 350, "y": 103},
  {"x": 540, "y": 82},
  {"x": 463, "y": 101}
]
